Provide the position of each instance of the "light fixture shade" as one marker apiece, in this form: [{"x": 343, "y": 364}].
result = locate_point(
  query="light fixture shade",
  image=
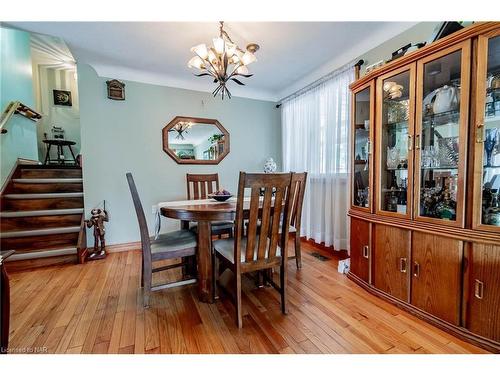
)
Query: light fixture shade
[
  {"x": 248, "y": 58},
  {"x": 201, "y": 50},
  {"x": 212, "y": 57},
  {"x": 230, "y": 49},
  {"x": 219, "y": 45},
  {"x": 196, "y": 62},
  {"x": 242, "y": 70}
]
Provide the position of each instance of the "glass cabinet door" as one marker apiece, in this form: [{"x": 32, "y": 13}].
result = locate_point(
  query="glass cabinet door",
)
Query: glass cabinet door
[
  {"x": 361, "y": 147},
  {"x": 441, "y": 135},
  {"x": 487, "y": 159},
  {"x": 394, "y": 141}
]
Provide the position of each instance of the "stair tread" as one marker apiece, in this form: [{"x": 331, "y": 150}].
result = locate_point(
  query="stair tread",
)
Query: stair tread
[
  {"x": 69, "y": 180},
  {"x": 46, "y": 253},
  {"x": 61, "y": 211},
  {"x": 43, "y": 195},
  {"x": 39, "y": 232}
]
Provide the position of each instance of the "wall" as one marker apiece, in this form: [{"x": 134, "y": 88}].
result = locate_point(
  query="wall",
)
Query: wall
[
  {"x": 418, "y": 33},
  {"x": 63, "y": 116},
  {"x": 16, "y": 85},
  {"x": 123, "y": 136}
]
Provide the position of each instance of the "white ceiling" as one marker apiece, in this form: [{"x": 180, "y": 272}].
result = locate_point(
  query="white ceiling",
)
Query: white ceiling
[
  {"x": 292, "y": 54},
  {"x": 195, "y": 135}
]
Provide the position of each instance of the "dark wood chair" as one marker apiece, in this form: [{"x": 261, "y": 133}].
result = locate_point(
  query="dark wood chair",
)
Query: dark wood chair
[
  {"x": 172, "y": 245},
  {"x": 299, "y": 183},
  {"x": 261, "y": 249},
  {"x": 198, "y": 187}
]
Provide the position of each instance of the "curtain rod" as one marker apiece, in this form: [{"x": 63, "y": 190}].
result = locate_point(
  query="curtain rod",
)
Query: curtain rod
[{"x": 319, "y": 81}]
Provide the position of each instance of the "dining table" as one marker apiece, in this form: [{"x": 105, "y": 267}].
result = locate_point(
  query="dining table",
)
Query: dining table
[{"x": 203, "y": 212}]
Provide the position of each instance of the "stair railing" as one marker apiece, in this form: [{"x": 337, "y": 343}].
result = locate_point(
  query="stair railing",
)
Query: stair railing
[{"x": 19, "y": 109}]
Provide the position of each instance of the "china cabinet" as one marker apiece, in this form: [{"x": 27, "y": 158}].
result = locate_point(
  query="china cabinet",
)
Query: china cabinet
[{"x": 425, "y": 187}]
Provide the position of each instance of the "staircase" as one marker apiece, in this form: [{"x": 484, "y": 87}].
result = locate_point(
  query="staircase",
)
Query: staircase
[{"x": 41, "y": 212}]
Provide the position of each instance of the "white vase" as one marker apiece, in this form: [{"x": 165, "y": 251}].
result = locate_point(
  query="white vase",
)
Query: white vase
[{"x": 270, "y": 166}]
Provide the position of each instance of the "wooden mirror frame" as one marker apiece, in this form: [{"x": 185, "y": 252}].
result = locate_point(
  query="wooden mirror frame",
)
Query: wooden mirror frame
[{"x": 196, "y": 120}]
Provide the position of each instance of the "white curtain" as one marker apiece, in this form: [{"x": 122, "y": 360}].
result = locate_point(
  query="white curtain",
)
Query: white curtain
[{"x": 315, "y": 135}]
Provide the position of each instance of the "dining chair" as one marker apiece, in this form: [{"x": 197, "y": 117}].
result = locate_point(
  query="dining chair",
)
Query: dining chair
[
  {"x": 177, "y": 244},
  {"x": 299, "y": 182},
  {"x": 198, "y": 187},
  {"x": 260, "y": 249}
]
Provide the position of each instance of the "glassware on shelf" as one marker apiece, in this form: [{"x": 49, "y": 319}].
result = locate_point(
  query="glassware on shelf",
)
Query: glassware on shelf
[
  {"x": 392, "y": 157},
  {"x": 445, "y": 209},
  {"x": 361, "y": 148},
  {"x": 489, "y": 145},
  {"x": 448, "y": 152},
  {"x": 492, "y": 214}
]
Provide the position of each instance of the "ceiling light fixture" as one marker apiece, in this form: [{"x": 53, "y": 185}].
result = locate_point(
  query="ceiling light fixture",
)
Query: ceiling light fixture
[
  {"x": 224, "y": 61},
  {"x": 181, "y": 128}
]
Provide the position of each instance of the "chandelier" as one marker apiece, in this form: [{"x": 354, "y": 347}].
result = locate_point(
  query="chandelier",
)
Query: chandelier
[
  {"x": 224, "y": 61},
  {"x": 181, "y": 128}
]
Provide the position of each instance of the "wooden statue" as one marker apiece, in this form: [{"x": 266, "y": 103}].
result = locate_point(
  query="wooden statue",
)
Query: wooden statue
[{"x": 97, "y": 221}]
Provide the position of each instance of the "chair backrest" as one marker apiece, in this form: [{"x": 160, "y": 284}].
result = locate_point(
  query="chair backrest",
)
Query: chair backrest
[
  {"x": 299, "y": 181},
  {"x": 141, "y": 218},
  {"x": 202, "y": 184},
  {"x": 273, "y": 207}
]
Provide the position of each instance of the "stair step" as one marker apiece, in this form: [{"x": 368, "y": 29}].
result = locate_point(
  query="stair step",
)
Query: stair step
[
  {"x": 40, "y": 242},
  {"x": 51, "y": 172},
  {"x": 43, "y": 195},
  {"x": 67, "y": 211},
  {"x": 47, "y": 203},
  {"x": 39, "y": 232},
  {"x": 47, "y": 180},
  {"x": 43, "y": 254},
  {"x": 41, "y": 221}
]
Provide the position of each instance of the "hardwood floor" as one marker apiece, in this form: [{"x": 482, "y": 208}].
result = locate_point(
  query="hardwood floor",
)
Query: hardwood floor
[{"x": 97, "y": 308}]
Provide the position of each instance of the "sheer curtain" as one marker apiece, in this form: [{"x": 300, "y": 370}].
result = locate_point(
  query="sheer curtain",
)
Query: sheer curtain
[{"x": 315, "y": 138}]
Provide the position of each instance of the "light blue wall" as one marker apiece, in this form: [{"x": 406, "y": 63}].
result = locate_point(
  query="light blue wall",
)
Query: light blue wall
[
  {"x": 123, "y": 136},
  {"x": 16, "y": 84}
]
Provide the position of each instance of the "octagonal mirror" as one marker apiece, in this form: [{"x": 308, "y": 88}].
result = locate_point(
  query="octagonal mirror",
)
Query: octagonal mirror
[{"x": 193, "y": 140}]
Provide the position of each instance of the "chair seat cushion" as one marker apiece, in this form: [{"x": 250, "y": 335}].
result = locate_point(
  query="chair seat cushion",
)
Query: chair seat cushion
[
  {"x": 173, "y": 241},
  {"x": 225, "y": 247}
]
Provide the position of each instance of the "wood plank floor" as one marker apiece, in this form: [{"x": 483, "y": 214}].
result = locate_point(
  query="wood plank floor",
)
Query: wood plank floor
[{"x": 96, "y": 308}]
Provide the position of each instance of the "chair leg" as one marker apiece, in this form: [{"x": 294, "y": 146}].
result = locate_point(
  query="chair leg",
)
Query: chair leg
[
  {"x": 148, "y": 275},
  {"x": 298, "y": 253},
  {"x": 239, "y": 319},
  {"x": 283, "y": 282}
]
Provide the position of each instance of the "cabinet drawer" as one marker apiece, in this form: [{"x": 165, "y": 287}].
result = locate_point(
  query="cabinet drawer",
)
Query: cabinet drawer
[
  {"x": 360, "y": 249},
  {"x": 483, "y": 313},
  {"x": 391, "y": 260},
  {"x": 436, "y": 268}
]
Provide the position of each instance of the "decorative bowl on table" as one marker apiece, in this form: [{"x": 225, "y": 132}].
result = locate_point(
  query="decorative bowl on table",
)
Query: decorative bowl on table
[{"x": 221, "y": 195}]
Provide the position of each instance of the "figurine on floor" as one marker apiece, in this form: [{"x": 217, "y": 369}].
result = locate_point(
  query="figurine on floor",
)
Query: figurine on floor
[{"x": 97, "y": 221}]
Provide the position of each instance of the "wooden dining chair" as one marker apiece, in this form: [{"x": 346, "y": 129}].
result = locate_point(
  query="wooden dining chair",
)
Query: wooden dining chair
[
  {"x": 261, "y": 249},
  {"x": 198, "y": 187},
  {"x": 172, "y": 245},
  {"x": 299, "y": 188}
]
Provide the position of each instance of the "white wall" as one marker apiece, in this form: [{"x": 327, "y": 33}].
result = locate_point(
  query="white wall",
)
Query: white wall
[
  {"x": 123, "y": 136},
  {"x": 68, "y": 118}
]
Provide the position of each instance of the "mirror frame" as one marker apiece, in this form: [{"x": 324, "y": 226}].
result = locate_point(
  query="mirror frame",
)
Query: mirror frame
[{"x": 197, "y": 120}]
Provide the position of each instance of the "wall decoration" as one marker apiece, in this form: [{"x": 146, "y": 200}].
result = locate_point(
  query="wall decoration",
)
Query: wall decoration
[
  {"x": 116, "y": 89},
  {"x": 62, "y": 97}
]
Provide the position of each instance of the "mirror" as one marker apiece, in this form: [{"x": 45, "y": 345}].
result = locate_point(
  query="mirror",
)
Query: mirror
[{"x": 192, "y": 140}]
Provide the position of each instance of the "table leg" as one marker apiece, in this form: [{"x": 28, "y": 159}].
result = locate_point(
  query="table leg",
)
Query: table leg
[
  {"x": 189, "y": 269},
  {"x": 5, "y": 310},
  {"x": 47, "y": 156},
  {"x": 205, "y": 288},
  {"x": 72, "y": 154}
]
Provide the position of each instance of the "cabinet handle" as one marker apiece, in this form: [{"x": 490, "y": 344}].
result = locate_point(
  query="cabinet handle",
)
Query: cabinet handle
[
  {"x": 366, "y": 251},
  {"x": 478, "y": 289},
  {"x": 416, "y": 269},
  {"x": 402, "y": 265},
  {"x": 410, "y": 142},
  {"x": 417, "y": 142},
  {"x": 480, "y": 133}
]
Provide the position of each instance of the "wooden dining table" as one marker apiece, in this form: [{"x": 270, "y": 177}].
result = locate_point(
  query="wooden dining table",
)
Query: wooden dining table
[{"x": 204, "y": 212}]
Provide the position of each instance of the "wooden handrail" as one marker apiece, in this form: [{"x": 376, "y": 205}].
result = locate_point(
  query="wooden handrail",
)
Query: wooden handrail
[{"x": 20, "y": 109}]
